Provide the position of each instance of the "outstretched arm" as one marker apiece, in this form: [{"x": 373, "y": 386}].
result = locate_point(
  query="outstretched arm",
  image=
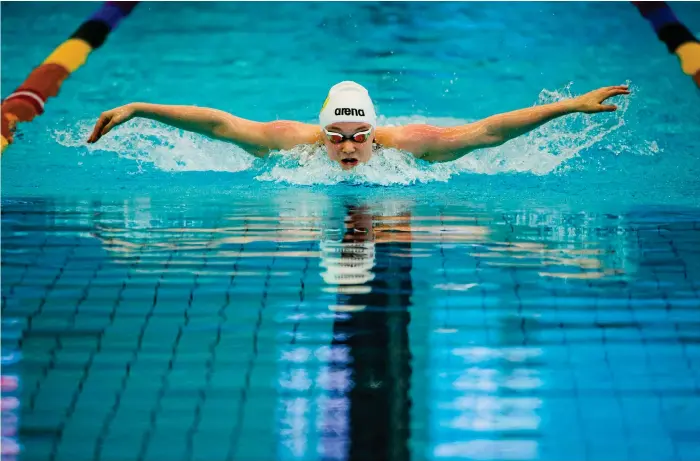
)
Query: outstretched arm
[
  {"x": 438, "y": 144},
  {"x": 258, "y": 138}
]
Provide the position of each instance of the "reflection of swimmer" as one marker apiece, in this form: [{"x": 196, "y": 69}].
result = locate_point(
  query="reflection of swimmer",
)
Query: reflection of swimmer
[
  {"x": 347, "y": 263},
  {"x": 348, "y": 126},
  {"x": 348, "y": 249},
  {"x": 350, "y": 262},
  {"x": 374, "y": 289}
]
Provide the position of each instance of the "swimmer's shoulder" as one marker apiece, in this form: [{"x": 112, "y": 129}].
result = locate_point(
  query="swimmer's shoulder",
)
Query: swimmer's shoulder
[
  {"x": 410, "y": 138},
  {"x": 287, "y": 133}
]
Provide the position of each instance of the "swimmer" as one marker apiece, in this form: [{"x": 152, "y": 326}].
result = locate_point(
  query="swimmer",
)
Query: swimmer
[{"x": 348, "y": 126}]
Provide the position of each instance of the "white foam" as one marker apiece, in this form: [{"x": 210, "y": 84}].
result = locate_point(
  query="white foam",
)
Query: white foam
[{"x": 307, "y": 165}]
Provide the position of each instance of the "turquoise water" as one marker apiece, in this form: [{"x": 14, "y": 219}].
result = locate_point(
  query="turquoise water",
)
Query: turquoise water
[{"x": 167, "y": 297}]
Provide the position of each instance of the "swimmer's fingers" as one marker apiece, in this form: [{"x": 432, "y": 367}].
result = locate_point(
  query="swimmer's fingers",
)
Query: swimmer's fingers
[
  {"x": 592, "y": 102},
  {"x": 616, "y": 91},
  {"x": 105, "y": 123},
  {"x": 101, "y": 124},
  {"x": 109, "y": 126},
  {"x": 609, "y": 92},
  {"x": 109, "y": 120}
]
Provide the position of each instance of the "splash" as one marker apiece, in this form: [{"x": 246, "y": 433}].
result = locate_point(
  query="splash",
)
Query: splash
[
  {"x": 546, "y": 150},
  {"x": 165, "y": 148}
]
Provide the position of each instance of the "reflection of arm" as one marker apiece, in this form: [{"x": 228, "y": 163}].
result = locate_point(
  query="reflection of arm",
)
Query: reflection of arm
[{"x": 122, "y": 241}]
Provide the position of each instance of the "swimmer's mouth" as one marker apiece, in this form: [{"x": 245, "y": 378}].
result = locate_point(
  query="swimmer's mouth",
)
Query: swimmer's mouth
[{"x": 350, "y": 161}]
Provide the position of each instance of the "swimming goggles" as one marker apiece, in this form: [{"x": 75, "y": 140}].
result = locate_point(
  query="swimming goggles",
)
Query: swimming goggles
[{"x": 337, "y": 138}]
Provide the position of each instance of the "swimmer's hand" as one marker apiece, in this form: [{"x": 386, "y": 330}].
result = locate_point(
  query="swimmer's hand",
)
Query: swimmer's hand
[
  {"x": 592, "y": 102},
  {"x": 110, "y": 119}
]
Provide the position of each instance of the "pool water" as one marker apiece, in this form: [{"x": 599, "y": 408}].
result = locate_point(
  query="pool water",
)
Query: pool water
[{"x": 166, "y": 297}]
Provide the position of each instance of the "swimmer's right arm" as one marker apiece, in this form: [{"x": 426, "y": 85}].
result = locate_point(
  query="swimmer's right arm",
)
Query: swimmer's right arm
[{"x": 258, "y": 138}]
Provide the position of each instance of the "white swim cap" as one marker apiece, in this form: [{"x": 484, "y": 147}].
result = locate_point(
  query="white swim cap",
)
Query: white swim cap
[{"x": 348, "y": 102}]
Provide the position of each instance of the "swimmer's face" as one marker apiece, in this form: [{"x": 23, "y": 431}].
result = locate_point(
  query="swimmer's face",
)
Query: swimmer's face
[{"x": 348, "y": 143}]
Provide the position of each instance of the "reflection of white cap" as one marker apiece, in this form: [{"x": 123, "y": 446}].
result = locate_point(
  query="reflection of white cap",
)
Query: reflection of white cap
[
  {"x": 348, "y": 102},
  {"x": 347, "y": 263}
]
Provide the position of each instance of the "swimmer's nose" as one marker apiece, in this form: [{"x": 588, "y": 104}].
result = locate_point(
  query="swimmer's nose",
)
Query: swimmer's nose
[{"x": 347, "y": 147}]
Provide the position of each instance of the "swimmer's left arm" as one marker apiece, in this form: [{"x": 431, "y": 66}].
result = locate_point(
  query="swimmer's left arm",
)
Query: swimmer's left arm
[{"x": 444, "y": 144}]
